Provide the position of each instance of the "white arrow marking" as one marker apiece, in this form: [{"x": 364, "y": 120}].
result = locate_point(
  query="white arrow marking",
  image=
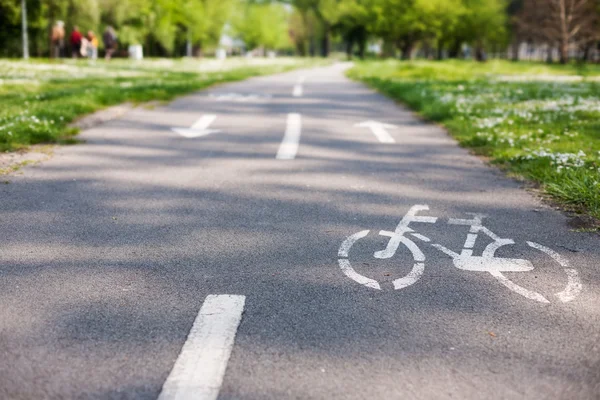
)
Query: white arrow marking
[
  {"x": 199, "y": 128},
  {"x": 289, "y": 145},
  {"x": 379, "y": 130},
  {"x": 199, "y": 369},
  {"x": 298, "y": 87}
]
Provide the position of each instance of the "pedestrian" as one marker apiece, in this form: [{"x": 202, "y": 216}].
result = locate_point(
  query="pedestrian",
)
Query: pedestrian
[
  {"x": 75, "y": 40},
  {"x": 92, "y": 48},
  {"x": 110, "y": 42},
  {"x": 58, "y": 39}
]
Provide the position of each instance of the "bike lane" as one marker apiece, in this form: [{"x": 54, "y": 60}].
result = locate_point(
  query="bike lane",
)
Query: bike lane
[
  {"x": 459, "y": 330},
  {"x": 107, "y": 303}
]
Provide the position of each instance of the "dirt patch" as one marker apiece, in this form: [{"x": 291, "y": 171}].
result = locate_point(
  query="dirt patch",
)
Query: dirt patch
[
  {"x": 100, "y": 117},
  {"x": 13, "y": 161},
  {"x": 583, "y": 223}
]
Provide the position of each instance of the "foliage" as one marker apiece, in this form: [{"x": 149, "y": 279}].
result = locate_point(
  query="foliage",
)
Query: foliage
[
  {"x": 542, "y": 127},
  {"x": 434, "y": 28},
  {"x": 262, "y": 25}
]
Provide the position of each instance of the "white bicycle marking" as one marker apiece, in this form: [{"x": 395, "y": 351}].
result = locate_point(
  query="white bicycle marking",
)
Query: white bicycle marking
[
  {"x": 345, "y": 264},
  {"x": 401, "y": 229},
  {"x": 530, "y": 294},
  {"x": 465, "y": 260},
  {"x": 574, "y": 285},
  {"x": 413, "y": 276},
  {"x": 347, "y": 244},
  {"x": 355, "y": 276}
]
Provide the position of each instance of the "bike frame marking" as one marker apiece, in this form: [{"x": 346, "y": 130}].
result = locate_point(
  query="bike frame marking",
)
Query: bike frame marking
[{"x": 402, "y": 228}]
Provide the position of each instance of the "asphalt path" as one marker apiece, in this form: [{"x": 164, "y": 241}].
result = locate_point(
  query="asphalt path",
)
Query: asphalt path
[{"x": 109, "y": 250}]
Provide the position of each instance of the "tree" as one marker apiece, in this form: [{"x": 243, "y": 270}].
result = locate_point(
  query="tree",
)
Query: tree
[
  {"x": 262, "y": 25},
  {"x": 561, "y": 22},
  {"x": 484, "y": 24}
]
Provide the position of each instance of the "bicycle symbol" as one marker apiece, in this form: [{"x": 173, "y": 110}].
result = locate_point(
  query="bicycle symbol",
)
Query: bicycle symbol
[{"x": 465, "y": 260}]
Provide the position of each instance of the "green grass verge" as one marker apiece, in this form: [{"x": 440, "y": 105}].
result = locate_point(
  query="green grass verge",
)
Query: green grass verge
[
  {"x": 39, "y": 99},
  {"x": 538, "y": 121}
]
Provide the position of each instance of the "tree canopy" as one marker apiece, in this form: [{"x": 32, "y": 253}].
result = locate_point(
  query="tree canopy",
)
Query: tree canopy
[{"x": 436, "y": 28}]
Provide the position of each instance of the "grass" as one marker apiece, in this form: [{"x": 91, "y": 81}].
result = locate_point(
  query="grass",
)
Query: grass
[
  {"x": 538, "y": 121},
  {"x": 38, "y": 99}
]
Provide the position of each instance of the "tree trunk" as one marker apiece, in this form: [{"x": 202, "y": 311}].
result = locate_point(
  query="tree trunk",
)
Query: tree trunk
[
  {"x": 362, "y": 46},
  {"x": 407, "y": 49},
  {"x": 515, "y": 49},
  {"x": 587, "y": 52},
  {"x": 440, "y": 52},
  {"x": 349, "y": 46},
  {"x": 312, "y": 48},
  {"x": 454, "y": 51},
  {"x": 564, "y": 51},
  {"x": 388, "y": 49},
  {"x": 549, "y": 55},
  {"x": 188, "y": 44},
  {"x": 480, "y": 53},
  {"x": 50, "y": 27},
  {"x": 325, "y": 43}
]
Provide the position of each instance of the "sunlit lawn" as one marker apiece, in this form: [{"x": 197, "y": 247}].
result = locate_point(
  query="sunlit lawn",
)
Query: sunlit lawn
[
  {"x": 539, "y": 121},
  {"x": 38, "y": 98}
]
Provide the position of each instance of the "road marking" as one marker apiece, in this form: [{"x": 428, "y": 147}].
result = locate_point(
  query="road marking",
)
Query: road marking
[
  {"x": 355, "y": 276},
  {"x": 239, "y": 97},
  {"x": 291, "y": 139},
  {"x": 574, "y": 285},
  {"x": 347, "y": 244},
  {"x": 530, "y": 294},
  {"x": 397, "y": 236},
  {"x": 379, "y": 130},
  {"x": 465, "y": 260},
  {"x": 298, "y": 87},
  {"x": 204, "y": 122},
  {"x": 199, "y": 369},
  {"x": 347, "y": 267},
  {"x": 198, "y": 128}
]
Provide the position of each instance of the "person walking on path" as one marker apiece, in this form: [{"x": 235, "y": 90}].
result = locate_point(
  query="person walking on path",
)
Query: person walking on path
[
  {"x": 110, "y": 42},
  {"x": 92, "y": 47},
  {"x": 58, "y": 39},
  {"x": 75, "y": 40}
]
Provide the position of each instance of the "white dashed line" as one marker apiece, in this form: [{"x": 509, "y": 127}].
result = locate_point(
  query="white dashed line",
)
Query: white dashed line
[
  {"x": 199, "y": 369},
  {"x": 298, "y": 87},
  {"x": 291, "y": 139}
]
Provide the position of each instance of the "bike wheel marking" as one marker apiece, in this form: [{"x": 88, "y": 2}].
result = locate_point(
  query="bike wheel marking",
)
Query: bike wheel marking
[
  {"x": 574, "y": 285},
  {"x": 573, "y": 288},
  {"x": 355, "y": 276},
  {"x": 413, "y": 276},
  {"x": 347, "y": 244},
  {"x": 530, "y": 294},
  {"x": 419, "y": 266},
  {"x": 347, "y": 267}
]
